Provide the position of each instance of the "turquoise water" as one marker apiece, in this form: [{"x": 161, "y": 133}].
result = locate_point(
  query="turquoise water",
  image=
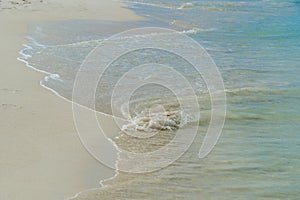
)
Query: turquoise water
[{"x": 256, "y": 46}]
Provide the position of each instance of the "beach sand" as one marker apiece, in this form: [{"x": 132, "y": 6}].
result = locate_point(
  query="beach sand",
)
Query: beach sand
[{"x": 41, "y": 156}]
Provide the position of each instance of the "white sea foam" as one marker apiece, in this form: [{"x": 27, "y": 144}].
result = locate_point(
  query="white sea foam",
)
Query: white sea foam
[
  {"x": 155, "y": 121},
  {"x": 54, "y": 77},
  {"x": 186, "y": 6}
]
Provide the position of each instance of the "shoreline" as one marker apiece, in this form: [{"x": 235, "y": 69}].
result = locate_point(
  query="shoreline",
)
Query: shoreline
[{"x": 41, "y": 155}]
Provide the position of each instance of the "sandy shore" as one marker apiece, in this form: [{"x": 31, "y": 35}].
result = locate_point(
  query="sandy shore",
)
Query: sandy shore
[{"x": 40, "y": 154}]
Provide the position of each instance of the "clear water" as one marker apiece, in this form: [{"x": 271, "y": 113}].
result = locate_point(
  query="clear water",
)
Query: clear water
[{"x": 255, "y": 44}]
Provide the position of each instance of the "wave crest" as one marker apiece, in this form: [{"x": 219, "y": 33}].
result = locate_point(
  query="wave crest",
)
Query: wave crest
[
  {"x": 186, "y": 6},
  {"x": 155, "y": 120}
]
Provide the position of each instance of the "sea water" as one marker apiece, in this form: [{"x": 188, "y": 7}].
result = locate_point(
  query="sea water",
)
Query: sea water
[{"x": 256, "y": 46}]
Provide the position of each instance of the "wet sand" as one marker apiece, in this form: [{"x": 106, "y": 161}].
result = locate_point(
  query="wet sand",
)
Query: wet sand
[{"x": 41, "y": 156}]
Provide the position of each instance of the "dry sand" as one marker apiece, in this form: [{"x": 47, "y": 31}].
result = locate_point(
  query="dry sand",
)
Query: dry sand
[{"x": 41, "y": 156}]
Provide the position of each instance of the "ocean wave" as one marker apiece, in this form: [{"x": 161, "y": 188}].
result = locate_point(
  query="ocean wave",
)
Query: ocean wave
[
  {"x": 252, "y": 90},
  {"x": 55, "y": 77},
  {"x": 191, "y": 31},
  {"x": 188, "y": 28},
  {"x": 156, "y": 121},
  {"x": 186, "y": 5}
]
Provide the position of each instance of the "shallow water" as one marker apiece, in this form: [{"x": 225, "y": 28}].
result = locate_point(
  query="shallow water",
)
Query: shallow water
[{"x": 256, "y": 46}]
